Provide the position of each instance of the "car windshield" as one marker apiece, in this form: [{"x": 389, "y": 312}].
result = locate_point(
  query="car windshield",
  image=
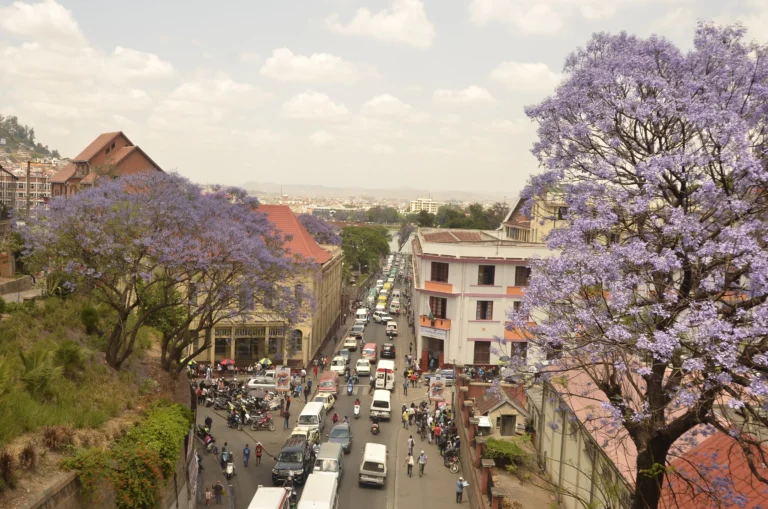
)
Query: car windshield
[
  {"x": 340, "y": 433},
  {"x": 290, "y": 457},
  {"x": 380, "y": 404},
  {"x": 338, "y": 362},
  {"x": 321, "y": 399},
  {"x": 372, "y": 466},
  {"x": 307, "y": 419}
]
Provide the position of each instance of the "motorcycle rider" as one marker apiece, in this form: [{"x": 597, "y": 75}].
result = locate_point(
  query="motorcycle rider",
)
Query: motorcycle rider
[
  {"x": 208, "y": 423},
  {"x": 346, "y": 420},
  {"x": 357, "y": 401}
]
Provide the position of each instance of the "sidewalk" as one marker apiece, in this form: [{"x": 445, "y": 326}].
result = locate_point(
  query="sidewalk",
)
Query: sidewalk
[{"x": 438, "y": 486}]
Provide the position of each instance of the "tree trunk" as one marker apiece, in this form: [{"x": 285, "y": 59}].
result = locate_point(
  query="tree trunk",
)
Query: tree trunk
[{"x": 650, "y": 473}]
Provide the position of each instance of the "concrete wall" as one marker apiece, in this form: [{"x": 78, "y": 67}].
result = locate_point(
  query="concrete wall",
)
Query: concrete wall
[{"x": 21, "y": 284}]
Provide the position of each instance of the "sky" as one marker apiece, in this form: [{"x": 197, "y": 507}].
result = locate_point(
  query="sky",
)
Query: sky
[{"x": 378, "y": 93}]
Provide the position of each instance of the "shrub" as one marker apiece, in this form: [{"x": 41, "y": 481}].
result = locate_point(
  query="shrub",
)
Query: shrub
[
  {"x": 7, "y": 469},
  {"x": 2, "y": 305},
  {"x": 70, "y": 357},
  {"x": 56, "y": 438},
  {"x": 508, "y": 453},
  {"x": 38, "y": 372},
  {"x": 90, "y": 318},
  {"x": 28, "y": 457}
]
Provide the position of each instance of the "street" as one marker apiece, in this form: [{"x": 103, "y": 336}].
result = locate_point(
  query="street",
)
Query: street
[{"x": 435, "y": 488}]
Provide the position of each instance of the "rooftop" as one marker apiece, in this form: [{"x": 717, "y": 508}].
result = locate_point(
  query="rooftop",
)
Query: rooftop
[{"x": 301, "y": 242}]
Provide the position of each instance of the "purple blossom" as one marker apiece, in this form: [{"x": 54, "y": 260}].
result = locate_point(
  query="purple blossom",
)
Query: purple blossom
[{"x": 320, "y": 230}]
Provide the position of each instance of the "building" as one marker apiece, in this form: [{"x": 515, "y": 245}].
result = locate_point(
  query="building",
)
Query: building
[
  {"x": 427, "y": 204},
  {"x": 110, "y": 154},
  {"x": 247, "y": 340},
  {"x": 13, "y": 188},
  {"x": 465, "y": 282}
]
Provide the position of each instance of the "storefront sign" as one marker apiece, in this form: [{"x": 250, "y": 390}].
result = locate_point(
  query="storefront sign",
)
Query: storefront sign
[
  {"x": 283, "y": 378},
  {"x": 437, "y": 388},
  {"x": 430, "y": 332}
]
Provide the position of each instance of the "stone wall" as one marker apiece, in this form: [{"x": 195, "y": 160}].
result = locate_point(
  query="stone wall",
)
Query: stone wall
[{"x": 21, "y": 284}]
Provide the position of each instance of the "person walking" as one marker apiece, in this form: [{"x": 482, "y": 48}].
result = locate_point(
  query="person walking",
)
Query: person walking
[
  {"x": 314, "y": 370},
  {"x": 306, "y": 391},
  {"x": 405, "y": 387},
  {"x": 411, "y": 442},
  {"x": 199, "y": 395},
  {"x": 303, "y": 375},
  {"x": 286, "y": 416},
  {"x": 422, "y": 462},
  {"x": 246, "y": 455},
  {"x": 259, "y": 450},
  {"x": 287, "y": 403},
  {"x": 218, "y": 491},
  {"x": 208, "y": 496},
  {"x": 208, "y": 423},
  {"x": 373, "y": 384},
  {"x": 405, "y": 419},
  {"x": 409, "y": 464},
  {"x": 459, "y": 489}
]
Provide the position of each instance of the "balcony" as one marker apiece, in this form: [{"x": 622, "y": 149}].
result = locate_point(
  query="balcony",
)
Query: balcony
[
  {"x": 515, "y": 291},
  {"x": 435, "y": 286},
  {"x": 437, "y": 323},
  {"x": 517, "y": 335}
]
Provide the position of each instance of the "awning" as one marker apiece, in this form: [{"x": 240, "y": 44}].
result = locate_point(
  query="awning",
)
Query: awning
[{"x": 485, "y": 421}]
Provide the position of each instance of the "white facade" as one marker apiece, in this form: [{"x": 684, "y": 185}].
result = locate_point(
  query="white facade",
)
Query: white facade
[
  {"x": 472, "y": 279},
  {"x": 427, "y": 204}
]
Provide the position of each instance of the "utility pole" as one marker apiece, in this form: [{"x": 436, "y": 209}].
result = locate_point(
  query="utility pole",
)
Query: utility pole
[{"x": 29, "y": 164}]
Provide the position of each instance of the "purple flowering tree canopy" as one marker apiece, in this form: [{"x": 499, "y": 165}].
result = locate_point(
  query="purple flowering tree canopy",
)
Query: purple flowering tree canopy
[
  {"x": 658, "y": 279},
  {"x": 156, "y": 250},
  {"x": 321, "y": 231}
]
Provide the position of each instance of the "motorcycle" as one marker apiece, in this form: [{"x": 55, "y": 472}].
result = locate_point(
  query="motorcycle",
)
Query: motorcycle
[
  {"x": 265, "y": 422},
  {"x": 209, "y": 401},
  {"x": 230, "y": 469},
  {"x": 357, "y": 411},
  {"x": 375, "y": 428},
  {"x": 349, "y": 389},
  {"x": 451, "y": 462}
]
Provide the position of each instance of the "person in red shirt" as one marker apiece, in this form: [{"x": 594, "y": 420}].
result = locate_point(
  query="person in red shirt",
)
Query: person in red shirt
[
  {"x": 259, "y": 450},
  {"x": 314, "y": 371}
]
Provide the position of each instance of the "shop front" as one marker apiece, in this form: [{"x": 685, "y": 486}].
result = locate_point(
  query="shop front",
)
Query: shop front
[{"x": 432, "y": 344}]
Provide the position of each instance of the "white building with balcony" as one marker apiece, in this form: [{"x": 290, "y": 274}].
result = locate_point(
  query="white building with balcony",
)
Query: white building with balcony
[
  {"x": 465, "y": 282},
  {"x": 427, "y": 204}
]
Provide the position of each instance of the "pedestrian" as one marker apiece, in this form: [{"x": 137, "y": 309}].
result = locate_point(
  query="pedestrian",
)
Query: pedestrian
[
  {"x": 208, "y": 423},
  {"x": 287, "y": 403},
  {"x": 405, "y": 387},
  {"x": 218, "y": 491},
  {"x": 411, "y": 347},
  {"x": 303, "y": 375},
  {"x": 286, "y": 415},
  {"x": 373, "y": 384},
  {"x": 411, "y": 442},
  {"x": 199, "y": 395},
  {"x": 208, "y": 495},
  {"x": 422, "y": 462},
  {"x": 409, "y": 463},
  {"x": 405, "y": 419},
  {"x": 459, "y": 489},
  {"x": 314, "y": 371},
  {"x": 306, "y": 390},
  {"x": 246, "y": 455},
  {"x": 259, "y": 450}
]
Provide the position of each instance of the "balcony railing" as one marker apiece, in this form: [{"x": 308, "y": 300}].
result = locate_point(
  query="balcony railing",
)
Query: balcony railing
[
  {"x": 436, "y": 286},
  {"x": 518, "y": 335},
  {"x": 437, "y": 323}
]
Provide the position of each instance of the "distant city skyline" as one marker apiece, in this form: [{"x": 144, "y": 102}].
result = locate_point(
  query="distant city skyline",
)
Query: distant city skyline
[{"x": 378, "y": 93}]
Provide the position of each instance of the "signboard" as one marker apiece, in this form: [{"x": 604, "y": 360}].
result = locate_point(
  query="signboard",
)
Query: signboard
[
  {"x": 434, "y": 333},
  {"x": 2, "y": 141},
  {"x": 437, "y": 388},
  {"x": 283, "y": 379}
]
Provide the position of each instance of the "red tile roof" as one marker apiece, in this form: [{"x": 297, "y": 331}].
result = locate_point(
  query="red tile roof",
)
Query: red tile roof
[
  {"x": 118, "y": 155},
  {"x": 302, "y": 242},
  {"x": 720, "y": 457},
  {"x": 97, "y": 145},
  {"x": 63, "y": 174}
]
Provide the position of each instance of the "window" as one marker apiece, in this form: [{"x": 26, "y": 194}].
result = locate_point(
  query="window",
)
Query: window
[
  {"x": 221, "y": 347},
  {"x": 484, "y": 310},
  {"x": 482, "y": 352},
  {"x": 613, "y": 238},
  {"x": 518, "y": 234},
  {"x": 486, "y": 275},
  {"x": 562, "y": 213},
  {"x": 439, "y": 272},
  {"x": 223, "y": 332},
  {"x": 298, "y": 340},
  {"x": 438, "y": 306},
  {"x": 590, "y": 449},
  {"x": 298, "y": 291},
  {"x": 521, "y": 276},
  {"x": 517, "y": 306}
]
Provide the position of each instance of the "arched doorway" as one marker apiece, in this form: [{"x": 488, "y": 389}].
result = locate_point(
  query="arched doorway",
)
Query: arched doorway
[{"x": 296, "y": 346}]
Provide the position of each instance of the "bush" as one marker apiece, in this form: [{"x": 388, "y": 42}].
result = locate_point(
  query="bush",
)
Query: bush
[
  {"x": 90, "y": 318},
  {"x": 508, "y": 453},
  {"x": 7, "y": 469},
  {"x": 56, "y": 438},
  {"x": 70, "y": 357},
  {"x": 28, "y": 457},
  {"x": 38, "y": 372},
  {"x": 2, "y": 305}
]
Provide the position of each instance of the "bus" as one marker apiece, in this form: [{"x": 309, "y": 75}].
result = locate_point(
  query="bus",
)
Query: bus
[{"x": 385, "y": 375}]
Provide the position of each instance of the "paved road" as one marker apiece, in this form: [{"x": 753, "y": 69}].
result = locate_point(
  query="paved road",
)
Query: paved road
[{"x": 434, "y": 490}]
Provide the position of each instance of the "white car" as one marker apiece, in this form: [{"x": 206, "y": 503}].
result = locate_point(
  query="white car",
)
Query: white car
[
  {"x": 379, "y": 284},
  {"x": 350, "y": 343},
  {"x": 363, "y": 367},
  {"x": 339, "y": 365},
  {"x": 327, "y": 399},
  {"x": 261, "y": 382},
  {"x": 381, "y": 317}
]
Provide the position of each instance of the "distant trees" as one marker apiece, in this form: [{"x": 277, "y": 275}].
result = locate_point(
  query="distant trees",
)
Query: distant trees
[
  {"x": 474, "y": 217},
  {"x": 403, "y": 234},
  {"x": 321, "y": 231},
  {"x": 383, "y": 215},
  {"x": 363, "y": 246},
  {"x": 16, "y": 133}
]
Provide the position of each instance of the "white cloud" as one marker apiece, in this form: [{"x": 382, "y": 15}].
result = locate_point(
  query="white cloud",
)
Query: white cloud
[
  {"x": 381, "y": 148},
  {"x": 47, "y": 20},
  {"x": 470, "y": 95},
  {"x": 525, "y": 76},
  {"x": 405, "y": 23},
  {"x": 755, "y": 18},
  {"x": 249, "y": 57},
  {"x": 516, "y": 126},
  {"x": 321, "y": 138},
  {"x": 218, "y": 89},
  {"x": 314, "y": 106},
  {"x": 132, "y": 64},
  {"x": 386, "y": 105},
  {"x": 283, "y": 65}
]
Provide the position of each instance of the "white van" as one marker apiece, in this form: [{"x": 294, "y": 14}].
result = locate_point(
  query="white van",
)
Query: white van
[
  {"x": 394, "y": 307},
  {"x": 385, "y": 374},
  {"x": 381, "y": 307},
  {"x": 381, "y": 406},
  {"x": 396, "y": 294},
  {"x": 267, "y": 497},
  {"x": 321, "y": 491},
  {"x": 373, "y": 467},
  {"x": 361, "y": 315},
  {"x": 391, "y": 329},
  {"x": 312, "y": 416},
  {"x": 330, "y": 459}
]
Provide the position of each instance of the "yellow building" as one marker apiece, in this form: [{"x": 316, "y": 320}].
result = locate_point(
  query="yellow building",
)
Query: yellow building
[{"x": 246, "y": 341}]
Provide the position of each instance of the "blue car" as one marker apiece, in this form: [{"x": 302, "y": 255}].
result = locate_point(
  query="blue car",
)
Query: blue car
[{"x": 447, "y": 375}]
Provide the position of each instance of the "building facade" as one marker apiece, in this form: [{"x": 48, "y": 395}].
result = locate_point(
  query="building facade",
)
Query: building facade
[
  {"x": 13, "y": 189},
  {"x": 110, "y": 154},
  {"x": 427, "y": 204},
  {"x": 248, "y": 340}
]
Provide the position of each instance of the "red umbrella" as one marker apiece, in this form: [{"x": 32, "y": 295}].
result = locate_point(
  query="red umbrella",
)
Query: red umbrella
[{"x": 227, "y": 362}]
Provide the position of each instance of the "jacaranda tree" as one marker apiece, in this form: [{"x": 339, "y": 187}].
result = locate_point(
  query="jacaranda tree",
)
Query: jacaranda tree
[
  {"x": 658, "y": 280},
  {"x": 321, "y": 231},
  {"x": 156, "y": 250}
]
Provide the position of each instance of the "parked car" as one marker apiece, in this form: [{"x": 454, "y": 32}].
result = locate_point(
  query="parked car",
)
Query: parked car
[
  {"x": 327, "y": 399},
  {"x": 357, "y": 331},
  {"x": 350, "y": 343},
  {"x": 363, "y": 367},
  {"x": 295, "y": 459},
  {"x": 342, "y": 434},
  {"x": 339, "y": 364},
  {"x": 387, "y": 351},
  {"x": 261, "y": 382},
  {"x": 381, "y": 317},
  {"x": 447, "y": 375},
  {"x": 344, "y": 353}
]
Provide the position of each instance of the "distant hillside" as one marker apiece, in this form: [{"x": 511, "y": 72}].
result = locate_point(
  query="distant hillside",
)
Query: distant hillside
[
  {"x": 18, "y": 136},
  {"x": 389, "y": 193}
]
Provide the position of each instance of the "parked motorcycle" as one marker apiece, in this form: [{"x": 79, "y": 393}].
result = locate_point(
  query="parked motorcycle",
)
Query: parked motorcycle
[
  {"x": 229, "y": 471},
  {"x": 451, "y": 461},
  {"x": 265, "y": 422}
]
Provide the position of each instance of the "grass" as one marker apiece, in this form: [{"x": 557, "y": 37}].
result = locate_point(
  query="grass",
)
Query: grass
[{"x": 83, "y": 398}]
